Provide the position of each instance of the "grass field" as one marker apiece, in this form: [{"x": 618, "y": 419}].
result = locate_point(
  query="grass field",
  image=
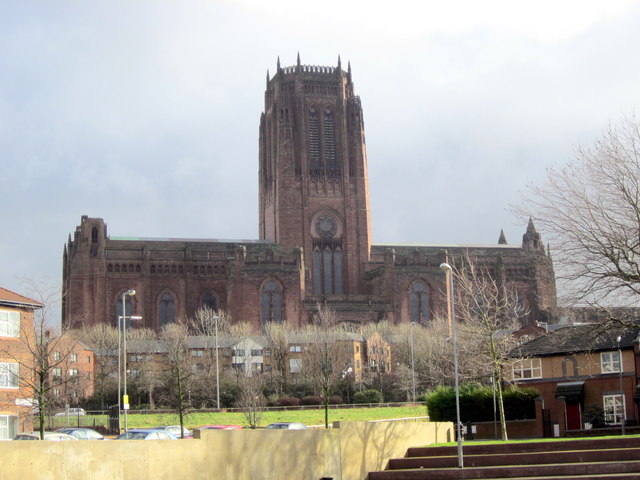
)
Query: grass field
[{"x": 196, "y": 419}]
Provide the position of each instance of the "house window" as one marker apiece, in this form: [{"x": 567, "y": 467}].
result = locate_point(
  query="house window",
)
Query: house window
[
  {"x": 8, "y": 426},
  {"x": 73, "y": 372},
  {"x": 56, "y": 356},
  {"x": 9, "y": 323},
  {"x": 256, "y": 352},
  {"x": 267, "y": 352},
  {"x": 88, "y": 358},
  {"x": 238, "y": 353},
  {"x": 295, "y": 348},
  {"x": 57, "y": 374},
  {"x": 74, "y": 357},
  {"x": 613, "y": 406},
  {"x": 526, "y": 368},
  {"x": 9, "y": 375},
  {"x": 197, "y": 353},
  {"x": 295, "y": 365},
  {"x": 267, "y": 368},
  {"x": 610, "y": 362}
]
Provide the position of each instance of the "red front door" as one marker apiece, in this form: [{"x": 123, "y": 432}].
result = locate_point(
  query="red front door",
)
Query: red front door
[{"x": 573, "y": 416}]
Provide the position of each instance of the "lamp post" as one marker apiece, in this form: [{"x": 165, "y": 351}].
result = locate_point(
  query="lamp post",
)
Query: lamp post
[
  {"x": 413, "y": 364},
  {"x": 445, "y": 267},
  {"x": 123, "y": 401},
  {"x": 622, "y": 420},
  {"x": 215, "y": 319}
]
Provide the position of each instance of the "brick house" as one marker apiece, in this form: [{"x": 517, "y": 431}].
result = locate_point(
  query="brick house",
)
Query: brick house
[
  {"x": 578, "y": 368},
  {"x": 73, "y": 371},
  {"x": 16, "y": 362},
  {"x": 315, "y": 237}
]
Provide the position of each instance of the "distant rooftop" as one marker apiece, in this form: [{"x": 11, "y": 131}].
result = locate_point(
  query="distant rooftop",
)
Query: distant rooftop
[{"x": 184, "y": 240}]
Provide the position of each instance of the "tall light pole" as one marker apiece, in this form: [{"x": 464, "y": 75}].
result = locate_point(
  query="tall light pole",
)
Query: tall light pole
[
  {"x": 621, "y": 390},
  {"x": 122, "y": 323},
  {"x": 215, "y": 319},
  {"x": 413, "y": 363},
  {"x": 446, "y": 268}
]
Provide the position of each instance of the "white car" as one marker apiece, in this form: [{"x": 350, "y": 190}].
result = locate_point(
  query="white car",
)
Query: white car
[
  {"x": 71, "y": 412},
  {"x": 55, "y": 436}
]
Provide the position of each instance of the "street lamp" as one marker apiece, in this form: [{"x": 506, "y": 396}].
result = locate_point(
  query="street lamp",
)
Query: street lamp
[
  {"x": 621, "y": 390},
  {"x": 445, "y": 267},
  {"x": 122, "y": 319},
  {"x": 413, "y": 363},
  {"x": 215, "y": 319}
]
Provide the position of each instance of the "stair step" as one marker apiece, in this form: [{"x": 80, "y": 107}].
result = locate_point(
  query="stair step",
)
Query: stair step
[
  {"x": 529, "y": 458},
  {"x": 514, "y": 471}
]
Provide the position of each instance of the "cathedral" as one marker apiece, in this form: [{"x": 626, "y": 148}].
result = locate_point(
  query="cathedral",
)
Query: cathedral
[{"x": 315, "y": 239}]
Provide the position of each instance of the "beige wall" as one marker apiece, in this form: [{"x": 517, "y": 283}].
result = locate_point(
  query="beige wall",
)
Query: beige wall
[
  {"x": 348, "y": 452},
  {"x": 588, "y": 364}
]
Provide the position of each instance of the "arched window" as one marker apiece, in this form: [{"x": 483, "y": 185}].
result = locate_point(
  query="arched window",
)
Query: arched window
[
  {"x": 419, "y": 302},
  {"x": 153, "y": 269},
  {"x": 167, "y": 310},
  {"x": 330, "y": 146},
  {"x": 209, "y": 301},
  {"x": 315, "y": 164},
  {"x": 271, "y": 303},
  {"x": 128, "y": 307}
]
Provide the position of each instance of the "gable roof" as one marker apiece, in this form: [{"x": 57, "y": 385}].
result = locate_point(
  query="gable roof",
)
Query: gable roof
[
  {"x": 12, "y": 299},
  {"x": 577, "y": 339}
]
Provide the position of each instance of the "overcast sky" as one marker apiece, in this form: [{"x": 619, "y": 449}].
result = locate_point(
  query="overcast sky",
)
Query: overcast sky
[{"x": 146, "y": 112}]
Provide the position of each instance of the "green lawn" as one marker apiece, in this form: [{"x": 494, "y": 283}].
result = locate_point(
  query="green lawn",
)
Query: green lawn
[{"x": 196, "y": 419}]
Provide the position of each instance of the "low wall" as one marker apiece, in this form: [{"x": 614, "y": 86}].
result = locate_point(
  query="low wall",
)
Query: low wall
[
  {"x": 515, "y": 429},
  {"x": 347, "y": 452}
]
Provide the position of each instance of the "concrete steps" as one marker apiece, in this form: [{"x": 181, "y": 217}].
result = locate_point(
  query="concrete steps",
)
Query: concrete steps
[{"x": 617, "y": 458}]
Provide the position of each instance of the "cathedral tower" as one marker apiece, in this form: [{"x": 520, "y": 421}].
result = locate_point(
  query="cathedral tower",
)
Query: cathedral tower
[{"x": 313, "y": 174}]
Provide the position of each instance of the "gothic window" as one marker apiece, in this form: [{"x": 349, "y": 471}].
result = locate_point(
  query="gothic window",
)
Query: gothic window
[
  {"x": 419, "y": 302},
  {"x": 128, "y": 307},
  {"x": 315, "y": 164},
  {"x": 167, "y": 309},
  {"x": 327, "y": 268},
  {"x": 195, "y": 270},
  {"x": 117, "y": 268},
  {"x": 109, "y": 268},
  {"x": 138, "y": 269},
  {"x": 180, "y": 269},
  {"x": 94, "y": 235},
  {"x": 153, "y": 269},
  {"x": 271, "y": 303},
  {"x": 131, "y": 268},
  {"x": 209, "y": 301},
  {"x": 209, "y": 270},
  {"x": 174, "y": 269},
  {"x": 201, "y": 269}
]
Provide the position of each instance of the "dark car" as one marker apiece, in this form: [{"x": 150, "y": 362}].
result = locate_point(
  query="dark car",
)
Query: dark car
[
  {"x": 81, "y": 433},
  {"x": 146, "y": 434}
]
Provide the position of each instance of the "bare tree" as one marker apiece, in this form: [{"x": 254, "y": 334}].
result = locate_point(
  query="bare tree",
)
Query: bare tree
[
  {"x": 488, "y": 313},
  {"x": 251, "y": 399},
  {"x": 326, "y": 361},
  {"x": 103, "y": 339},
  {"x": 277, "y": 335},
  {"x": 174, "y": 338},
  {"x": 590, "y": 211}
]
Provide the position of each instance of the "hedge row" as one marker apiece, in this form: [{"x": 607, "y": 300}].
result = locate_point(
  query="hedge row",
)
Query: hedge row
[{"x": 477, "y": 405}]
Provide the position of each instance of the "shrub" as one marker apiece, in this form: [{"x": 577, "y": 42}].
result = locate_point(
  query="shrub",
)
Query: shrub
[
  {"x": 368, "y": 396},
  {"x": 289, "y": 402},
  {"x": 335, "y": 400},
  {"x": 311, "y": 401}
]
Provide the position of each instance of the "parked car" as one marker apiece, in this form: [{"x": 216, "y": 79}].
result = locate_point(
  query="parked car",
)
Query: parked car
[
  {"x": 71, "y": 412},
  {"x": 175, "y": 430},
  {"x": 81, "y": 433},
  {"x": 286, "y": 426},
  {"x": 55, "y": 436},
  {"x": 146, "y": 434},
  {"x": 220, "y": 427}
]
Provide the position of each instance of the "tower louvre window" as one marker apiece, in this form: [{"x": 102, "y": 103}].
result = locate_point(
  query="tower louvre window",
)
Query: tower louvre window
[
  {"x": 330, "y": 145},
  {"x": 315, "y": 163}
]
